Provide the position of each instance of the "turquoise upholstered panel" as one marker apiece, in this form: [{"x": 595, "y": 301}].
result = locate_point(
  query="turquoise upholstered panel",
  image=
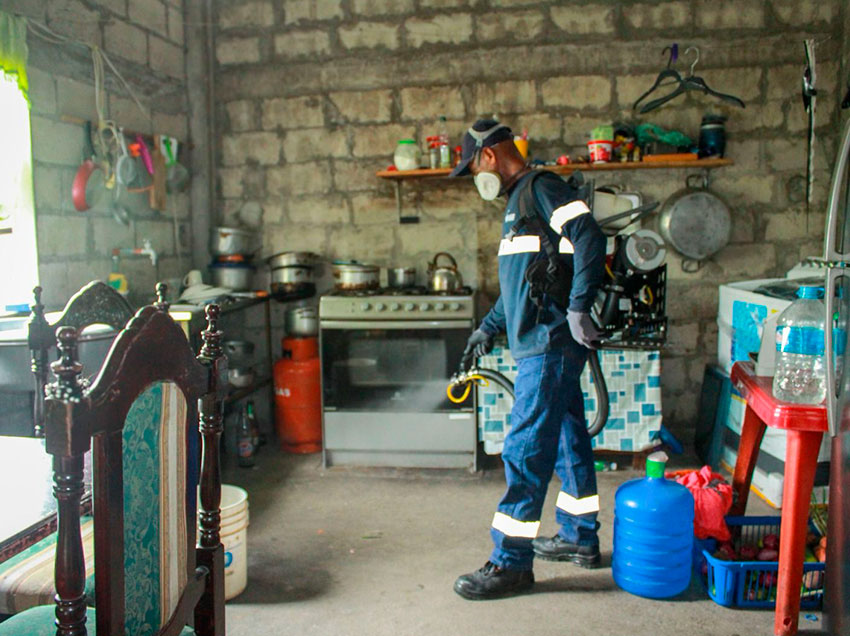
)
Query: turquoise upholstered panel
[{"x": 38, "y": 621}]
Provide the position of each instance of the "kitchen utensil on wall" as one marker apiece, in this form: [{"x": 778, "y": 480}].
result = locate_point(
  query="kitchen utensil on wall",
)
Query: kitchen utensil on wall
[
  {"x": 301, "y": 322},
  {"x": 158, "y": 191},
  {"x": 226, "y": 241},
  {"x": 401, "y": 277},
  {"x": 177, "y": 176},
  {"x": 355, "y": 276},
  {"x": 695, "y": 222},
  {"x": 444, "y": 278},
  {"x": 126, "y": 171}
]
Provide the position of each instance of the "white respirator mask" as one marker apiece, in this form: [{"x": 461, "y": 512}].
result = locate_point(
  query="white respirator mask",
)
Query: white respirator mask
[{"x": 489, "y": 185}]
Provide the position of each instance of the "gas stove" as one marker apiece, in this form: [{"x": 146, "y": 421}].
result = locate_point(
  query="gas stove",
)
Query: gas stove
[{"x": 411, "y": 304}]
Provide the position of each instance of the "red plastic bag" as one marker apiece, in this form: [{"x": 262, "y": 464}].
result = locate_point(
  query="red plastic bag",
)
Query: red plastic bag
[{"x": 712, "y": 500}]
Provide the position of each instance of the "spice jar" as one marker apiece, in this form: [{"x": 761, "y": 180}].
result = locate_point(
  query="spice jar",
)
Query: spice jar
[{"x": 407, "y": 155}]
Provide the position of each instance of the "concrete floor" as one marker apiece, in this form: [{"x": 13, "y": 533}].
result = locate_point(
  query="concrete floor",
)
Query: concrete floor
[{"x": 376, "y": 551}]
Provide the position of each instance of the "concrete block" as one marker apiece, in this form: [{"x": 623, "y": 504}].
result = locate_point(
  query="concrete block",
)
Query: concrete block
[
  {"x": 361, "y": 106},
  {"x": 160, "y": 232},
  {"x": 441, "y": 203},
  {"x": 53, "y": 278},
  {"x": 61, "y": 235},
  {"x": 329, "y": 210},
  {"x": 116, "y": 6},
  {"x": 747, "y": 261},
  {"x": 369, "y": 244},
  {"x": 371, "y": 8},
  {"x": 744, "y": 14},
  {"x": 284, "y": 238},
  {"x": 248, "y": 14},
  {"x": 230, "y": 182},
  {"x": 125, "y": 112},
  {"x": 353, "y": 176},
  {"x": 127, "y": 41},
  {"x": 755, "y": 117},
  {"x": 541, "y": 127},
  {"x": 28, "y": 8},
  {"x": 242, "y": 115},
  {"x": 47, "y": 185},
  {"x": 315, "y": 143},
  {"x": 175, "y": 25},
  {"x": 237, "y": 50},
  {"x": 42, "y": 92},
  {"x": 746, "y": 152},
  {"x": 688, "y": 300},
  {"x": 150, "y": 14},
  {"x": 173, "y": 125},
  {"x": 786, "y": 154},
  {"x": 673, "y": 377},
  {"x": 299, "y": 178},
  {"x": 791, "y": 224},
  {"x": 784, "y": 81},
  {"x": 178, "y": 204},
  {"x": 368, "y": 209},
  {"x": 302, "y": 43},
  {"x": 74, "y": 19},
  {"x": 448, "y": 4},
  {"x": 664, "y": 16},
  {"x": 369, "y": 35},
  {"x": 587, "y": 92},
  {"x": 588, "y": 19},
  {"x": 450, "y": 29},
  {"x": 166, "y": 57},
  {"x": 420, "y": 103},
  {"x": 753, "y": 188},
  {"x": 741, "y": 82},
  {"x": 514, "y": 26},
  {"x": 683, "y": 338},
  {"x": 505, "y": 97},
  {"x": 309, "y": 10},
  {"x": 56, "y": 142},
  {"x": 380, "y": 141},
  {"x": 261, "y": 147},
  {"x": 511, "y": 3},
  {"x": 743, "y": 226},
  {"x": 809, "y": 12},
  {"x": 293, "y": 112},
  {"x": 709, "y": 271},
  {"x": 428, "y": 238},
  {"x": 631, "y": 86},
  {"x": 108, "y": 235}
]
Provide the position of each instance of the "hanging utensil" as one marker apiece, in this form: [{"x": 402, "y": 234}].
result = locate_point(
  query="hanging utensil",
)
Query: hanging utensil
[
  {"x": 809, "y": 102},
  {"x": 177, "y": 174}
]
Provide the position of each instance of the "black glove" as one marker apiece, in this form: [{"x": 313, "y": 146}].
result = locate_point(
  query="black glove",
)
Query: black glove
[
  {"x": 480, "y": 343},
  {"x": 583, "y": 329}
]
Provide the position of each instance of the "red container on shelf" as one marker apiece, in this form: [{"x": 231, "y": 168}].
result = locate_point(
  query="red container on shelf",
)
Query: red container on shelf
[{"x": 298, "y": 397}]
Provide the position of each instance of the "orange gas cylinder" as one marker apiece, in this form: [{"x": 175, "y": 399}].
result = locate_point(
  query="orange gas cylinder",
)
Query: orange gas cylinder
[{"x": 298, "y": 397}]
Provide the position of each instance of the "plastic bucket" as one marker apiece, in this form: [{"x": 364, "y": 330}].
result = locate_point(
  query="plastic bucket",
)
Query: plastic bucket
[
  {"x": 600, "y": 150},
  {"x": 234, "y": 537}
]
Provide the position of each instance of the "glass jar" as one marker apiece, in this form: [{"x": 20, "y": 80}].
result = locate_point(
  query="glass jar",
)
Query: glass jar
[{"x": 407, "y": 155}]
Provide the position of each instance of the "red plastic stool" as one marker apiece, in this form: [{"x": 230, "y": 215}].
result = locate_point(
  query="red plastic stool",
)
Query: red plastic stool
[{"x": 805, "y": 425}]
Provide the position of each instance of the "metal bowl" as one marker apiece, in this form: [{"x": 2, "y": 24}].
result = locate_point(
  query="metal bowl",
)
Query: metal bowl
[{"x": 227, "y": 241}]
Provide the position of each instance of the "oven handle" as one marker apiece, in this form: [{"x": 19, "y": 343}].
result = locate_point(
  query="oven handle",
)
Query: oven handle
[{"x": 395, "y": 324}]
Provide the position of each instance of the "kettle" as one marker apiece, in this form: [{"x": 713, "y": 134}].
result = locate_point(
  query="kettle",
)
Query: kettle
[{"x": 443, "y": 278}]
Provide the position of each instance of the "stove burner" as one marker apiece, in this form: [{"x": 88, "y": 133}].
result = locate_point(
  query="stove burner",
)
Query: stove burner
[
  {"x": 404, "y": 291},
  {"x": 399, "y": 291}
]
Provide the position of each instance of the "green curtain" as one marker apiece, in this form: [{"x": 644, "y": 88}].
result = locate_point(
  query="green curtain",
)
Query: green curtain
[{"x": 13, "y": 49}]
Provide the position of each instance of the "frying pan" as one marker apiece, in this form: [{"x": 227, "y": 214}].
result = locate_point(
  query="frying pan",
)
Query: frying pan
[
  {"x": 85, "y": 187},
  {"x": 695, "y": 221}
]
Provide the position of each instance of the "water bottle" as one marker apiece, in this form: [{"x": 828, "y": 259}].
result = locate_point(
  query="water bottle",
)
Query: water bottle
[
  {"x": 245, "y": 449},
  {"x": 443, "y": 144},
  {"x": 800, "y": 376},
  {"x": 653, "y": 534}
]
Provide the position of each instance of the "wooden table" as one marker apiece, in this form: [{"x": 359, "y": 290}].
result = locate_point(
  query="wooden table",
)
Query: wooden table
[
  {"x": 805, "y": 425},
  {"x": 26, "y": 494}
]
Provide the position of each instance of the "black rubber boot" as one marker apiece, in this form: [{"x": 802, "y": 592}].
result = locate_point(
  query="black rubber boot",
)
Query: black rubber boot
[
  {"x": 557, "y": 549},
  {"x": 491, "y": 581}
]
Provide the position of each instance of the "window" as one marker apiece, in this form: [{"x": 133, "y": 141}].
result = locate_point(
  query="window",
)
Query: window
[{"x": 18, "y": 255}]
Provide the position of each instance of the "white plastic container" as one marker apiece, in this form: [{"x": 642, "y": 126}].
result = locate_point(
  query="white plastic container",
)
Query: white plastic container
[
  {"x": 800, "y": 374},
  {"x": 234, "y": 538},
  {"x": 407, "y": 155}
]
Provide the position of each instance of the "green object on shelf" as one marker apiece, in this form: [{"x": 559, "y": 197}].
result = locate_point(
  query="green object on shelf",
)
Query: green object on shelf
[{"x": 646, "y": 133}]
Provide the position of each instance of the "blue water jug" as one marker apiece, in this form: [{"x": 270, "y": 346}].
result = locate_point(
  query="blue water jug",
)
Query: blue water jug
[{"x": 653, "y": 533}]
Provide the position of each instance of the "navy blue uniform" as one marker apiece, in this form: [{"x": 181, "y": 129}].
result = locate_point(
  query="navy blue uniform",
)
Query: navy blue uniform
[{"x": 548, "y": 428}]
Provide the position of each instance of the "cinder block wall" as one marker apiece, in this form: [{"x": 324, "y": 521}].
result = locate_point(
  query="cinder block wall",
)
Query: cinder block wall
[
  {"x": 145, "y": 41},
  {"x": 313, "y": 95}
]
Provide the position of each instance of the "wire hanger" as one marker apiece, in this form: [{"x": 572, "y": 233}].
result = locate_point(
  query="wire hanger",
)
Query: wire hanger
[{"x": 690, "y": 83}]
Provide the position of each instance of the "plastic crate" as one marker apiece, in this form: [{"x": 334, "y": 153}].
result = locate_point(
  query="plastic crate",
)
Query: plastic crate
[{"x": 751, "y": 583}]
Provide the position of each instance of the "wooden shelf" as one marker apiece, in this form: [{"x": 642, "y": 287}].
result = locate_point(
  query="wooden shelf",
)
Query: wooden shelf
[{"x": 699, "y": 164}]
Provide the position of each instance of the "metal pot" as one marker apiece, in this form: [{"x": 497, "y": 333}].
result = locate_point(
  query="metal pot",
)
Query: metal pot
[
  {"x": 400, "y": 277},
  {"x": 238, "y": 352},
  {"x": 292, "y": 275},
  {"x": 443, "y": 278},
  {"x": 293, "y": 259},
  {"x": 301, "y": 322},
  {"x": 352, "y": 276},
  {"x": 233, "y": 276},
  {"x": 695, "y": 222},
  {"x": 240, "y": 378},
  {"x": 226, "y": 241}
]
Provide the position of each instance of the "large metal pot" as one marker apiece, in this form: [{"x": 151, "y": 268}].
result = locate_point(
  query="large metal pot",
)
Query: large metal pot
[
  {"x": 292, "y": 275},
  {"x": 238, "y": 352},
  {"x": 233, "y": 276},
  {"x": 695, "y": 222},
  {"x": 301, "y": 322},
  {"x": 227, "y": 241},
  {"x": 293, "y": 259},
  {"x": 400, "y": 277},
  {"x": 444, "y": 278},
  {"x": 354, "y": 276}
]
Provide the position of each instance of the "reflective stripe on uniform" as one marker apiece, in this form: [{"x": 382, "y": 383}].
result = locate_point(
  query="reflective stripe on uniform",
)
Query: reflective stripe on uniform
[
  {"x": 574, "y": 506},
  {"x": 565, "y": 247},
  {"x": 565, "y": 213},
  {"x": 514, "y": 527},
  {"x": 520, "y": 244}
]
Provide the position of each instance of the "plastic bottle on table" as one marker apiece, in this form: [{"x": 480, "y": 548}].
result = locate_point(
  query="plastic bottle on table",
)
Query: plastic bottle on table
[
  {"x": 800, "y": 375},
  {"x": 443, "y": 144},
  {"x": 245, "y": 448}
]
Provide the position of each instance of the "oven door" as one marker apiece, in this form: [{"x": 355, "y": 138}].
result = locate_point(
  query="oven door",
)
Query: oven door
[{"x": 391, "y": 366}]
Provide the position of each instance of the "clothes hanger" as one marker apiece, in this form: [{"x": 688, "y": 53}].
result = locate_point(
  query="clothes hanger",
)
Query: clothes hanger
[
  {"x": 692, "y": 83},
  {"x": 667, "y": 73}
]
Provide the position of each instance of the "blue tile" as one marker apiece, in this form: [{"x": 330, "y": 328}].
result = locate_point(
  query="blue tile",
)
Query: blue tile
[
  {"x": 617, "y": 374},
  {"x": 590, "y": 404},
  {"x": 616, "y": 424},
  {"x": 653, "y": 356},
  {"x": 613, "y": 397},
  {"x": 640, "y": 392},
  {"x": 622, "y": 393},
  {"x": 653, "y": 381},
  {"x": 493, "y": 426},
  {"x": 647, "y": 409},
  {"x": 626, "y": 444},
  {"x": 490, "y": 399},
  {"x": 633, "y": 417}
]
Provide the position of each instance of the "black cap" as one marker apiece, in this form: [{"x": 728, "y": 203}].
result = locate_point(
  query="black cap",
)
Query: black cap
[{"x": 483, "y": 133}]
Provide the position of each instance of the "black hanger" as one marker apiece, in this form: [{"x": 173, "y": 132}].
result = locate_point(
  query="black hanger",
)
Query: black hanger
[
  {"x": 692, "y": 83},
  {"x": 664, "y": 74}
]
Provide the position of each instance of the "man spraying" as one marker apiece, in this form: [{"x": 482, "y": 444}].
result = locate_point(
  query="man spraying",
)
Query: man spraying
[{"x": 551, "y": 265}]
